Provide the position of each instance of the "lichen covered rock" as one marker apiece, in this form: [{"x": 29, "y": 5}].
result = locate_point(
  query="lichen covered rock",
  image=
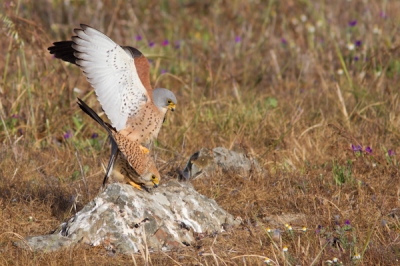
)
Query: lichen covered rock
[{"x": 125, "y": 220}]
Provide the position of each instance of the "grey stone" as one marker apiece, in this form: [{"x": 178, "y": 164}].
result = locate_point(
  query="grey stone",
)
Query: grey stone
[
  {"x": 205, "y": 161},
  {"x": 126, "y": 220}
]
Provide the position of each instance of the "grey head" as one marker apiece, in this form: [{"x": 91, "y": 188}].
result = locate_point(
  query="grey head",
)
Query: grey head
[{"x": 164, "y": 99}]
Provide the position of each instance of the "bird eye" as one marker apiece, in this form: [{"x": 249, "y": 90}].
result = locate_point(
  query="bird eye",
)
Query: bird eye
[
  {"x": 153, "y": 177},
  {"x": 169, "y": 101}
]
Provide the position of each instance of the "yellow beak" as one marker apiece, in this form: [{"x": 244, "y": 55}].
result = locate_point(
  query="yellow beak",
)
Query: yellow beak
[{"x": 171, "y": 106}]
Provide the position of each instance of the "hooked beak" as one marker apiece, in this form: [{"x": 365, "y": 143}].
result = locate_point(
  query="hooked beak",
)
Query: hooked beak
[
  {"x": 172, "y": 107},
  {"x": 155, "y": 185}
]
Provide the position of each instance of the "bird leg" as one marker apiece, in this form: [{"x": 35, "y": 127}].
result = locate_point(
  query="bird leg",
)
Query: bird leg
[
  {"x": 133, "y": 184},
  {"x": 144, "y": 149}
]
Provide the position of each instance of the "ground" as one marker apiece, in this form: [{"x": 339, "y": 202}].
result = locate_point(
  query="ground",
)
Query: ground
[{"x": 309, "y": 88}]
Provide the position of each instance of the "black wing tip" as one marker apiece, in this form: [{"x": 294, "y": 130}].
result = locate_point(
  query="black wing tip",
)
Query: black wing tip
[
  {"x": 134, "y": 52},
  {"x": 84, "y": 26},
  {"x": 63, "y": 50}
]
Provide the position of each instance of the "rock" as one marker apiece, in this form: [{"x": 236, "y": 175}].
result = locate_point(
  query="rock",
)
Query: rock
[
  {"x": 124, "y": 219},
  {"x": 286, "y": 218},
  {"x": 206, "y": 161}
]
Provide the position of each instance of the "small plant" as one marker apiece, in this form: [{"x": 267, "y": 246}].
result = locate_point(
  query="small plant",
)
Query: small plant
[
  {"x": 342, "y": 238},
  {"x": 342, "y": 173}
]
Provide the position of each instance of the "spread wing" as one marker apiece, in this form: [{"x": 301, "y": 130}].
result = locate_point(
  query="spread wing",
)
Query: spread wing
[{"x": 119, "y": 75}]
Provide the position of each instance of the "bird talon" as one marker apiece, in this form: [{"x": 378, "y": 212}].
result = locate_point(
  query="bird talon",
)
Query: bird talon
[
  {"x": 133, "y": 184},
  {"x": 144, "y": 150}
]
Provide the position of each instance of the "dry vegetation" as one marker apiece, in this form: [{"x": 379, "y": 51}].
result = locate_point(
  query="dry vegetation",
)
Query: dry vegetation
[{"x": 294, "y": 83}]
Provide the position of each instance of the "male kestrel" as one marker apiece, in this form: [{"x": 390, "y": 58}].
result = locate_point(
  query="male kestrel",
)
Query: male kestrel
[
  {"x": 120, "y": 76},
  {"x": 136, "y": 168}
]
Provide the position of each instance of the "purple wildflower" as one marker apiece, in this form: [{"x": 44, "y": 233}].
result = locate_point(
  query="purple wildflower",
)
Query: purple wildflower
[
  {"x": 68, "y": 134},
  {"x": 358, "y": 43},
  {"x": 368, "y": 150},
  {"x": 390, "y": 152},
  {"x": 177, "y": 44},
  {"x": 347, "y": 225},
  {"x": 138, "y": 38},
  {"x": 318, "y": 229},
  {"x": 383, "y": 15},
  {"x": 15, "y": 116},
  {"x": 165, "y": 42},
  {"x": 151, "y": 44},
  {"x": 238, "y": 39},
  {"x": 353, "y": 23},
  {"x": 163, "y": 71},
  {"x": 283, "y": 41},
  {"x": 357, "y": 148},
  {"x": 356, "y": 58},
  {"x": 95, "y": 135}
]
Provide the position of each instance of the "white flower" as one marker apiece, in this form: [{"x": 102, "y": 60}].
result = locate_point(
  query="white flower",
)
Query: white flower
[
  {"x": 285, "y": 249},
  {"x": 340, "y": 71},
  {"x": 77, "y": 90},
  {"x": 310, "y": 28},
  {"x": 351, "y": 46},
  {"x": 376, "y": 30},
  {"x": 303, "y": 18},
  {"x": 267, "y": 261}
]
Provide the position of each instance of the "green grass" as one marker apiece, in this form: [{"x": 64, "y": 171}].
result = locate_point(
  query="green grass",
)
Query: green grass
[{"x": 289, "y": 91}]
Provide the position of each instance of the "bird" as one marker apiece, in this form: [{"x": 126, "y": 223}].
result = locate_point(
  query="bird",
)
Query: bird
[
  {"x": 130, "y": 165},
  {"x": 120, "y": 76}
]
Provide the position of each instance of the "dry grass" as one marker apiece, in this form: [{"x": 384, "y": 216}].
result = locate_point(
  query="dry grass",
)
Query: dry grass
[{"x": 289, "y": 91}]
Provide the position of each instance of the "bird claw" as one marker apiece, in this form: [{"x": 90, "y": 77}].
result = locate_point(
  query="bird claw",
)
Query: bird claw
[
  {"x": 144, "y": 150},
  {"x": 133, "y": 184}
]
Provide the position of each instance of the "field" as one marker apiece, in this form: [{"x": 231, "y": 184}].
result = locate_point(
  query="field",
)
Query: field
[{"x": 310, "y": 88}]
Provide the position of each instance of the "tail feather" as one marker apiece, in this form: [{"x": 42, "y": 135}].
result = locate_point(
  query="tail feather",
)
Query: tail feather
[
  {"x": 89, "y": 111},
  {"x": 114, "y": 146},
  {"x": 113, "y": 158}
]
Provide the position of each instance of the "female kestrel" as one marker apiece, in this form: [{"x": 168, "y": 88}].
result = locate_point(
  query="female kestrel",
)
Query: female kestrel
[{"x": 136, "y": 168}]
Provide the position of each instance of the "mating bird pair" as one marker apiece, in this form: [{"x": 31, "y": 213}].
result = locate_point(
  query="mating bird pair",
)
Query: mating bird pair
[{"x": 120, "y": 76}]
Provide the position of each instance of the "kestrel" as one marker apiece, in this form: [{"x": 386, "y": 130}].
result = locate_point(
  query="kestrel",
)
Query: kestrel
[
  {"x": 135, "y": 167},
  {"x": 120, "y": 76}
]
